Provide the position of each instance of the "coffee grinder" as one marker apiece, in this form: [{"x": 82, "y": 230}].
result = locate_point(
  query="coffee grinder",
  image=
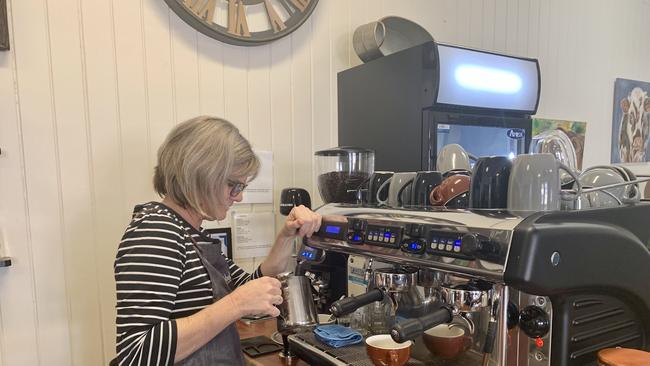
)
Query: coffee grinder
[{"x": 343, "y": 174}]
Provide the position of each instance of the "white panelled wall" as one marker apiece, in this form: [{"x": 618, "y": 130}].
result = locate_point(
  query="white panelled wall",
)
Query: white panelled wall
[{"x": 91, "y": 87}]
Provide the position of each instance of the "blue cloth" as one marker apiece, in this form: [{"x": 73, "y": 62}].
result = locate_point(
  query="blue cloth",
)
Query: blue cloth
[{"x": 337, "y": 336}]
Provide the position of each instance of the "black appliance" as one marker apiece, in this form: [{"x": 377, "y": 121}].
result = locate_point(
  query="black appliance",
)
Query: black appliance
[
  {"x": 292, "y": 197},
  {"x": 409, "y": 104}
]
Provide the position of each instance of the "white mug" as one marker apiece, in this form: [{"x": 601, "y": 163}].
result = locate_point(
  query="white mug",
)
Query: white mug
[
  {"x": 452, "y": 157},
  {"x": 396, "y": 188},
  {"x": 534, "y": 183},
  {"x": 603, "y": 175}
]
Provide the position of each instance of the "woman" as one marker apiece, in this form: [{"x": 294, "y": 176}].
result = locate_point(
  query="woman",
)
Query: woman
[{"x": 178, "y": 297}]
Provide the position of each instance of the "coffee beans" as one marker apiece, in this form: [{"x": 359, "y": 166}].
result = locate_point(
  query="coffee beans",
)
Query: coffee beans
[{"x": 341, "y": 187}]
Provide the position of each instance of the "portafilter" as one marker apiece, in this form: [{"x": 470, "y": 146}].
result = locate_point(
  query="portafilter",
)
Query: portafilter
[
  {"x": 399, "y": 284},
  {"x": 457, "y": 299}
]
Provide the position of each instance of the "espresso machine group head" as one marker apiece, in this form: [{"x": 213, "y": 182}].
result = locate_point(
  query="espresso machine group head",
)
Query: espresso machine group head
[{"x": 398, "y": 285}]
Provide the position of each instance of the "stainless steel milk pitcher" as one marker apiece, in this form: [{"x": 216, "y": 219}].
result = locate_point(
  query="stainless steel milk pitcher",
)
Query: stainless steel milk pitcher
[{"x": 297, "y": 309}]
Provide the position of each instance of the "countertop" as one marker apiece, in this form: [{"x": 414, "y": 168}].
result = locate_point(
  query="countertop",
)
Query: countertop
[{"x": 265, "y": 328}]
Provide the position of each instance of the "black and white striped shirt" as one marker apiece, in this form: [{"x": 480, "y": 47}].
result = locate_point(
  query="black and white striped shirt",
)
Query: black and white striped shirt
[{"x": 160, "y": 278}]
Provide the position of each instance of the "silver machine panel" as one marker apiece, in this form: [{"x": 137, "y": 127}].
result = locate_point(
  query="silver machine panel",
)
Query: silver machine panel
[{"x": 560, "y": 311}]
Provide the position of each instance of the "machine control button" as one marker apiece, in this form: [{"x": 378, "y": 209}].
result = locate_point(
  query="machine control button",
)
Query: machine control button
[
  {"x": 413, "y": 245},
  {"x": 355, "y": 238},
  {"x": 539, "y": 342},
  {"x": 534, "y": 321},
  {"x": 449, "y": 247},
  {"x": 441, "y": 246},
  {"x": 470, "y": 243},
  {"x": 477, "y": 246}
]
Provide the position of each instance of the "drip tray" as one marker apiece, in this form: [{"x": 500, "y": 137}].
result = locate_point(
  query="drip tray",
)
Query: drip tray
[{"x": 317, "y": 353}]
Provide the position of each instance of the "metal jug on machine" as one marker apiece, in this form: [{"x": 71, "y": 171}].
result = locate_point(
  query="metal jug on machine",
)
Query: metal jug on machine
[{"x": 297, "y": 310}]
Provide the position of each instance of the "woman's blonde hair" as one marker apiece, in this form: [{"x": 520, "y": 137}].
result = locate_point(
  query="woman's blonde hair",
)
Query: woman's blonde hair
[{"x": 197, "y": 159}]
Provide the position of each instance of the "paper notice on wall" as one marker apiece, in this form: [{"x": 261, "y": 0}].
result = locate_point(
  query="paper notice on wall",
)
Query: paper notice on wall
[
  {"x": 254, "y": 234},
  {"x": 260, "y": 190}
]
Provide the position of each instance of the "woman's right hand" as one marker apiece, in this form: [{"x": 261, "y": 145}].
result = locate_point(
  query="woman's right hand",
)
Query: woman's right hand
[{"x": 258, "y": 297}]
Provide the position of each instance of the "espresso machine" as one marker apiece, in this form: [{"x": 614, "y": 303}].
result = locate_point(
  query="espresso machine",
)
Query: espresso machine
[{"x": 531, "y": 288}]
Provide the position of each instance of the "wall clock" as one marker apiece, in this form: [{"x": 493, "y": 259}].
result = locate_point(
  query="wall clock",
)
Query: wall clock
[{"x": 244, "y": 22}]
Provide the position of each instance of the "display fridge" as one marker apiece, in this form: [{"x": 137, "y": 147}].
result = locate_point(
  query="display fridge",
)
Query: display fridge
[{"x": 408, "y": 105}]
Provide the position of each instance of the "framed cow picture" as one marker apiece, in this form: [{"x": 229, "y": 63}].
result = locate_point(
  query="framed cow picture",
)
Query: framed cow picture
[
  {"x": 631, "y": 122},
  {"x": 576, "y": 131}
]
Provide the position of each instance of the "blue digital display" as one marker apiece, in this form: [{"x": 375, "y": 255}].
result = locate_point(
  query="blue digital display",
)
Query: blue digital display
[
  {"x": 457, "y": 243},
  {"x": 387, "y": 235},
  {"x": 414, "y": 246},
  {"x": 331, "y": 229},
  {"x": 308, "y": 255},
  {"x": 356, "y": 237}
]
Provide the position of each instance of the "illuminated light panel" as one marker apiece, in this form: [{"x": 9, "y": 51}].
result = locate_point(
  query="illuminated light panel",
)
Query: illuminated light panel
[{"x": 487, "y": 79}]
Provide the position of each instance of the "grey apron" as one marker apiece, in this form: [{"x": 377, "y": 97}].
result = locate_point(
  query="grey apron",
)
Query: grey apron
[{"x": 224, "y": 348}]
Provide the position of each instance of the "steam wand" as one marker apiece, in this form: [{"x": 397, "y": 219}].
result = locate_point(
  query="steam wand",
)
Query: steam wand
[{"x": 490, "y": 335}]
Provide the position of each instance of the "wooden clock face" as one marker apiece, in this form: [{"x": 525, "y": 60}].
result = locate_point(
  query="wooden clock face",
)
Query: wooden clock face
[{"x": 244, "y": 22}]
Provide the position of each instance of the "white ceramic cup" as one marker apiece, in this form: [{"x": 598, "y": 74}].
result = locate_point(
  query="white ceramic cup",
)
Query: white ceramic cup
[
  {"x": 603, "y": 175},
  {"x": 396, "y": 189},
  {"x": 534, "y": 183},
  {"x": 452, "y": 157}
]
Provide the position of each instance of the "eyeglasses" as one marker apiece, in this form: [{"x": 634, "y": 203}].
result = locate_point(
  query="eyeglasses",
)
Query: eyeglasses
[{"x": 236, "y": 188}]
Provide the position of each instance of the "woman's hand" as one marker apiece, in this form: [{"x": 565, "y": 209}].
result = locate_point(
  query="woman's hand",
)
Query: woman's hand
[
  {"x": 257, "y": 297},
  {"x": 301, "y": 222}
]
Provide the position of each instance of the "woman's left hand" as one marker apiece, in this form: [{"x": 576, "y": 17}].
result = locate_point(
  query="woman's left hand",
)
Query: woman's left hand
[{"x": 301, "y": 222}]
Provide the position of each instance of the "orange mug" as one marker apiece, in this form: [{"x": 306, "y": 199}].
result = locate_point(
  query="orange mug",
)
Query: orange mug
[
  {"x": 451, "y": 187},
  {"x": 384, "y": 351},
  {"x": 623, "y": 357},
  {"x": 445, "y": 341}
]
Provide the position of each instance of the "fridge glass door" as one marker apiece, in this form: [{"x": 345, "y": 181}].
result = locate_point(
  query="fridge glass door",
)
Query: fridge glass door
[{"x": 483, "y": 140}]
